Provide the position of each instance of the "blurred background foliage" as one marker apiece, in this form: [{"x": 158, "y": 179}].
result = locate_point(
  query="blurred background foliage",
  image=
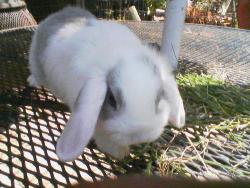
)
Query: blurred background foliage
[{"x": 232, "y": 13}]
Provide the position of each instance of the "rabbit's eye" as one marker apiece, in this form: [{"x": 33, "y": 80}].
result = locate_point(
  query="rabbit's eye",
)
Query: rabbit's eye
[{"x": 111, "y": 100}]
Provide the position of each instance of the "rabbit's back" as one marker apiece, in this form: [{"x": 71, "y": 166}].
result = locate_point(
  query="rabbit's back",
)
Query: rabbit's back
[
  {"x": 72, "y": 16},
  {"x": 68, "y": 15},
  {"x": 72, "y": 46}
]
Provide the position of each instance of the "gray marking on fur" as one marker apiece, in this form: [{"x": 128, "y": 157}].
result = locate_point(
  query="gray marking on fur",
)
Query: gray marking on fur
[
  {"x": 89, "y": 23},
  {"x": 50, "y": 26},
  {"x": 161, "y": 95},
  {"x": 114, "y": 87},
  {"x": 149, "y": 62},
  {"x": 107, "y": 110}
]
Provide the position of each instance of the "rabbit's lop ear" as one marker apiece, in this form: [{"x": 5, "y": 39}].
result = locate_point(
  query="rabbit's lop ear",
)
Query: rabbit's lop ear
[
  {"x": 177, "y": 112},
  {"x": 81, "y": 125}
]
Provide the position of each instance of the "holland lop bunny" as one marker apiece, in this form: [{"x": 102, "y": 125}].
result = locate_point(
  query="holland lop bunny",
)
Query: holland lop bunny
[{"x": 120, "y": 92}]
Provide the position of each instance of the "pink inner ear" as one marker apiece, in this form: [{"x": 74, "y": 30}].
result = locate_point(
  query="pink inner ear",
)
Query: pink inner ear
[{"x": 81, "y": 126}]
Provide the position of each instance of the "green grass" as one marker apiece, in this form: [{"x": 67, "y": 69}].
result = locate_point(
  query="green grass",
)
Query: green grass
[
  {"x": 217, "y": 112},
  {"x": 208, "y": 100}
]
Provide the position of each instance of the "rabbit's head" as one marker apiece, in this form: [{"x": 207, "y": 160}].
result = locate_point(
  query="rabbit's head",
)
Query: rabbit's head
[
  {"x": 142, "y": 97},
  {"x": 131, "y": 104}
]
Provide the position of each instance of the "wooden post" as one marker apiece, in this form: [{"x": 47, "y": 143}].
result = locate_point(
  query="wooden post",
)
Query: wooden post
[
  {"x": 243, "y": 14},
  {"x": 133, "y": 12},
  {"x": 172, "y": 31}
]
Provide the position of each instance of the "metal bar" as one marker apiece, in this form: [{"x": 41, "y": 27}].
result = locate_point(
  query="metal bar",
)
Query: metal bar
[{"x": 172, "y": 31}]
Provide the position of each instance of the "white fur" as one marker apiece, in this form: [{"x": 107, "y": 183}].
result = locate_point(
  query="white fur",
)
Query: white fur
[{"x": 76, "y": 62}]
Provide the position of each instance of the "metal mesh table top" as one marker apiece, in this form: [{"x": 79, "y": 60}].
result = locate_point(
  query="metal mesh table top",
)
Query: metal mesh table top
[
  {"x": 222, "y": 51},
  {"x": 31, "y": 120},
  {"x": 15, "y": 17}
]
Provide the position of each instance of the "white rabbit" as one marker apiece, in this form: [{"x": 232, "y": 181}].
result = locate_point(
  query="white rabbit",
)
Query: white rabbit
[{"x": 120, "y": 91}]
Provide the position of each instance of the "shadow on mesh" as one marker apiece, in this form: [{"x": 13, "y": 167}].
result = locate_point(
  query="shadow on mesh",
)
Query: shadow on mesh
[
  {"x": 32, "y": 120},
  {"x": 35, "y": 120}
]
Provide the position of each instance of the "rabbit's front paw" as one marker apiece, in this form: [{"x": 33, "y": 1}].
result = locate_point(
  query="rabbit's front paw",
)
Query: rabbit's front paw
[
  {"x": 32, "y": 81},
  {"x": 120, "y": 152},
  {"x": 115, "y": 150}
]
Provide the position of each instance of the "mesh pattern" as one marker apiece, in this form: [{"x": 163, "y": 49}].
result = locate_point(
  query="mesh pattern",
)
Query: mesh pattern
[
  {"x": 31, "y": 120},
  {"x": 34, "y": 120},
  {"x": 15, "y": 17},
  {"x": 223, "y": 52}
]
